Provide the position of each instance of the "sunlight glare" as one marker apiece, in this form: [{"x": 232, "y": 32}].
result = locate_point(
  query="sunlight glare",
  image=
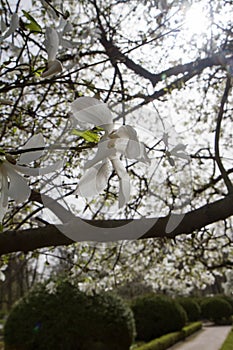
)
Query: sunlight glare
[{"x": 196, "y": 20}]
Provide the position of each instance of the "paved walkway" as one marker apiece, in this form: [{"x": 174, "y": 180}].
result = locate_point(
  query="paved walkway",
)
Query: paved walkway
[{"x": 209, "y": 338}]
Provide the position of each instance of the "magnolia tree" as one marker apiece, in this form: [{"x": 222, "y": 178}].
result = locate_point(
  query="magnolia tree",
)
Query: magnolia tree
[{"x": 116, "y": 126}]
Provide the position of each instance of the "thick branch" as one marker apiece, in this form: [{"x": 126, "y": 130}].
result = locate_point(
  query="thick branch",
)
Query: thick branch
[
  {"x": 195, "y": 67},
  {"x": 31, "y": 239},
  {"x": 223, "y": 171}
]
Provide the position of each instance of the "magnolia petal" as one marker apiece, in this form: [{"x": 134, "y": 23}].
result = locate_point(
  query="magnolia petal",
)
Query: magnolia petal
[
  {"x": 3, "y": 26},
  {"x": 90, "y": 110},
  {"x": 177, "y": 148},
  {"x": 67, "y": 44},
  {"x": 65, "y": 26},
  {"x": 127, "y": 132},
  {"x": 103, "y": 152},
  {"x": 3, "y": 193},
  {"x": 36, "y": 141},
  {"x": 120, "y": 145},
  {"x": 132, "y": 149},
  {"x": 18, "y": 187},
  {"x": 94, "y": 180},
  {"x": 127, "y": 143},
  {"x": 13, "y": 26},
  {"x": 68, "y": 27},
  {"x": 2, "y": 276},
  {"x": 165, "y": 138},
  {"x": 53, "y": 68},
  {"x": 171, "y": 161},
  {"x": 182, "y": 155},
  {"x": 51, "y": 43},
  {"x": 124, "y": 192},
  {"x": 6, "y": 102},
  {"x": 49, "y": 10},
  {"x": 119, "y": 167},
  {"x": 142, "y": 155},
  {"x": 129, "y": 148},
  {"x": 38, "y": 171},
  {"x": 61, "y": 24},
  {"x": 3, "y": 185}
]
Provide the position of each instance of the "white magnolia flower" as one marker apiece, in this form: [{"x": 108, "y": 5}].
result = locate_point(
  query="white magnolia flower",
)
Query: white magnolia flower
[
  {"x": 57, "y": 4},
  {"x": 14, "y": 24},
  {"x": 114, "y": 143},
  {"x": 63, "y": 28},
  {"x": 12, "y": 183},
  {"x": 177, "y": 151},
  {"x": 6, "y": 102},
  {"x": 54, "y": 66}
]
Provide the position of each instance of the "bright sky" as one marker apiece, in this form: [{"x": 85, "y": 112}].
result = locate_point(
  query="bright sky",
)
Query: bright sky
[{"x": 197, "y": 21}]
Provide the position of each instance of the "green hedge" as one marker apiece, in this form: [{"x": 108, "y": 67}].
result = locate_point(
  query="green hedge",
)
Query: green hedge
[
  {"x": 227, "y": 298},
  {"x": 228, "y": 343},
  {"x": 157, "y": 315},
  {"x": 170, "y": 339},
  {"x": 191, "y": 307},
  {"x": 69, "y": 320},
  {"x": 216, "y": 309},
  {"x": 191, "y": 328}
]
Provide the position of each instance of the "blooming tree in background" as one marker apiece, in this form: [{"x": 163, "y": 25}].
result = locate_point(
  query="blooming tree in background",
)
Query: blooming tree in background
[{"x": 123, "y": 111}]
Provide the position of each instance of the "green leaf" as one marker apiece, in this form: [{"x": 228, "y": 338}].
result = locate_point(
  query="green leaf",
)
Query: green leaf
[
  {"x": 87, "y": 135},
  {"x": 33, "y": 26},
  {"x": 38, "y": 71}
]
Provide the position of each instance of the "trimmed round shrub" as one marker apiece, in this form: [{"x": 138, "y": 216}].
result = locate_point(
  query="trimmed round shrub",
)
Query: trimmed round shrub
[
  {"x": 156, "y": 315},
  {"x": 216, "y": 309},
  {"x": 191, "y": 307},
  {"x": 227, "y": 298},
  {"x": 69, "y": 320}
]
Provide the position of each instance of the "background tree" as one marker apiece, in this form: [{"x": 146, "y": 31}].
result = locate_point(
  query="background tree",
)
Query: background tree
[{"x": 155, "y": 68}]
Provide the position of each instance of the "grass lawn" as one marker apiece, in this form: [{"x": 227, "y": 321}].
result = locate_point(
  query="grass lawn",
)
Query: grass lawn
[{"x": 228, "y": 343}]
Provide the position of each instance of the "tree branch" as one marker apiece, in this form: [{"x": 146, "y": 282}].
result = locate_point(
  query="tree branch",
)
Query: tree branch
[
  {"x": 217, "y": 137},
  {"x": 31, "y": 239},
  {"x": 195, "y": 67}
]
